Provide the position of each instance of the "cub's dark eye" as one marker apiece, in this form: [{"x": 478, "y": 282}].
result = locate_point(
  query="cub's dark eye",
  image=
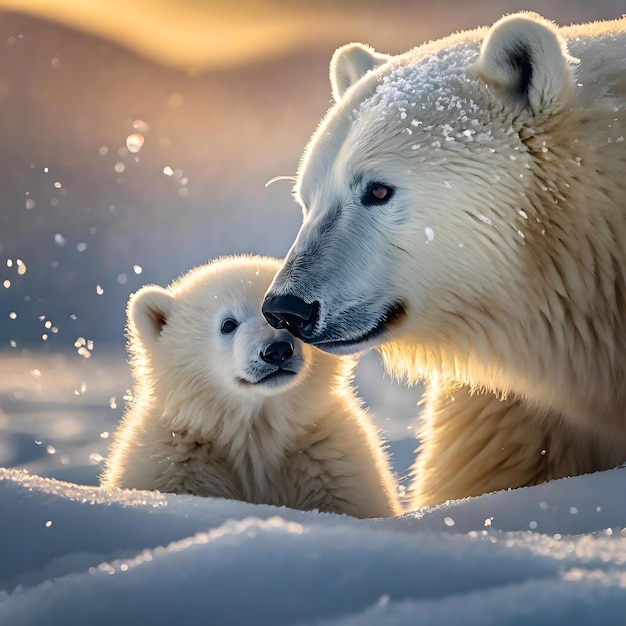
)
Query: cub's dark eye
[
  {"x": 228, "y": 326},
  {"x": 377, "y": 194}
]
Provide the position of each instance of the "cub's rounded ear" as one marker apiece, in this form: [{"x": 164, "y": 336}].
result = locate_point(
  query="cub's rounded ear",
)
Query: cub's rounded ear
[
  {"x": 350, "y": 63},
  {"x": 525, "y": 62},
  {"x": 148, "y": 312}
]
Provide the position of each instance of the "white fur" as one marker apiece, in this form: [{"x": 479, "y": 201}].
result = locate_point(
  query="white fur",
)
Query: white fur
[
  {"x": 504, "y": 241},
  {"x": 203, "y": 421}
]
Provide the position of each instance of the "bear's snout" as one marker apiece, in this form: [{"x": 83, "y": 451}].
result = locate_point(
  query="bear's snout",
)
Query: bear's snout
[{"x": 291, "y": 313}]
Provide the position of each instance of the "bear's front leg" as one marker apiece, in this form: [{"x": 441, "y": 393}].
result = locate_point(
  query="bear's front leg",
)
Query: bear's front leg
[{"x": 473, "y": 443}]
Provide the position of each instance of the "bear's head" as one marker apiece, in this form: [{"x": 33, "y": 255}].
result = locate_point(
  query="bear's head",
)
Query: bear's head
[
  {"x": 203, "y": 344},
  {"x": 423, "y": 184}
]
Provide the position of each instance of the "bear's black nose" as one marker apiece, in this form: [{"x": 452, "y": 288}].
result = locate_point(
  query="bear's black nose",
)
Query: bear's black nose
[
  {"x": 277, "y": 353},
  {"x": 292, "y": 313}
]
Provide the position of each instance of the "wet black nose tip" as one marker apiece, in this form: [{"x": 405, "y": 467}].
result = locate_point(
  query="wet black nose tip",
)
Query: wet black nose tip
[
  {"x": 277, "y": 353},
  {"x": 290, "y": 312}
]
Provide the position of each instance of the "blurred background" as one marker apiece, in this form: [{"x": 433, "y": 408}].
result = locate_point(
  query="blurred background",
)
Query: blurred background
[{"x": 136, "y": 138}]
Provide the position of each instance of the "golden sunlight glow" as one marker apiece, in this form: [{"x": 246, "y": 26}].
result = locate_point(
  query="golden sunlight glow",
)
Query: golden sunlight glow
[{"x": 190, "y": 33}]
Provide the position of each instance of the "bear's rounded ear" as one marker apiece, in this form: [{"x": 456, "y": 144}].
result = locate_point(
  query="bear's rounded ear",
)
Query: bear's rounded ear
[
  {"x": 525, "y": 62},
  {"x": 148, "y": 312},
  {"x": 349, "y": 64}
]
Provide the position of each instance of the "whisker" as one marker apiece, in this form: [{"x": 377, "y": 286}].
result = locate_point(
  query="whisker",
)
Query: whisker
[{"x": 273, "y": 180}]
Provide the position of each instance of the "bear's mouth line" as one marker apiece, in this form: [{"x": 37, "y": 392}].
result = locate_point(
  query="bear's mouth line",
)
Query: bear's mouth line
[
  {"x": 272, "y": 377},
  {"x": 392, "y": 316}
]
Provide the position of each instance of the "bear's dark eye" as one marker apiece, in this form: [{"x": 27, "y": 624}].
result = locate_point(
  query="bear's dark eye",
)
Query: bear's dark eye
[
  {"x": 228, "y": 326},
  {"x": 377, "y": 194}
]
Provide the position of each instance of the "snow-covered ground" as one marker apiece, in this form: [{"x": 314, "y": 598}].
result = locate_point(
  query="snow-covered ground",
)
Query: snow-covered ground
[
  {"x": 77, "y": 554},
  {"x": 82, "y": 555}
]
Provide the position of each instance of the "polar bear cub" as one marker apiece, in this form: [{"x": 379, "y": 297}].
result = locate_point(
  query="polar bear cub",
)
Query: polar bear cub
[{"x": 225, "y": 405}]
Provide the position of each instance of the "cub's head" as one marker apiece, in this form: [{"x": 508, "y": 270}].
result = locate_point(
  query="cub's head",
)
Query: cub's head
[
  {"x": 418, "y": 189},
  {"x": 204, "y": 336}
]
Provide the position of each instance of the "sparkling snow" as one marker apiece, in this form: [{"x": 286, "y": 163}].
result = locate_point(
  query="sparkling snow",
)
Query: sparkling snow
[{"x": 84, "y": 555}]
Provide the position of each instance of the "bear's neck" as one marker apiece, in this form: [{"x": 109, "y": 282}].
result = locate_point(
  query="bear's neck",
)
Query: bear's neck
[{"x": 564, "y": 346}]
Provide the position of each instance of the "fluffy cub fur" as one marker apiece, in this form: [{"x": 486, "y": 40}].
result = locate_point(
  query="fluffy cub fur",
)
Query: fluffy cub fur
[{"x": 224, "y": 405}]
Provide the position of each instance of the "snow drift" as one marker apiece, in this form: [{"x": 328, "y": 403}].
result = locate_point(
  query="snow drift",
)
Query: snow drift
[{"x": 85, "y": 555}]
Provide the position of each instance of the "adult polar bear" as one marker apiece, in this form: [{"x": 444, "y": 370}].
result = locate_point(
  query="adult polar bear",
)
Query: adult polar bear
[{"x": 465, "y": 211}]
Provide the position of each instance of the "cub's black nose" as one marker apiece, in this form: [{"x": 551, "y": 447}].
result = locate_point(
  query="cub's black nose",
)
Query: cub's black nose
[
  {"x": 296, "y": 315},
  {"x": 277, "y": 353}
]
